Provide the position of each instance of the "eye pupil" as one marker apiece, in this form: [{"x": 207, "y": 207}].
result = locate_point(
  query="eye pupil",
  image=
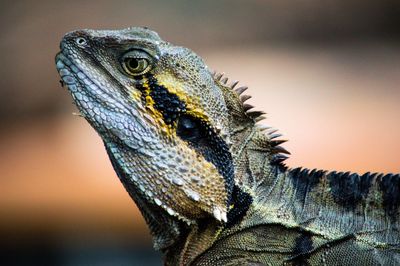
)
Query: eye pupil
[
  {"x": 136, "y": 62},
  {"x": 133, "y": 63},
  {"x": 135, "y": 66}
]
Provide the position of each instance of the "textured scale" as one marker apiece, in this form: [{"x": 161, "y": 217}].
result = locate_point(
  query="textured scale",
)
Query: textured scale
[{"x": 210, "y": 181}]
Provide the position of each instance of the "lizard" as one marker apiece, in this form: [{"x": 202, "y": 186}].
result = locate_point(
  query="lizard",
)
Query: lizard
[{"x": 210, "y": 181}]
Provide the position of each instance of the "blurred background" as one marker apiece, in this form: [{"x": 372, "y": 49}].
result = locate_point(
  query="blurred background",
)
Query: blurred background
[{"x": 327, "y": 73}]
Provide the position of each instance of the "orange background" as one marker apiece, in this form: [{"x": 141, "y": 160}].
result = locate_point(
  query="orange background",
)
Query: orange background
[{"x": 327, "y": 74}]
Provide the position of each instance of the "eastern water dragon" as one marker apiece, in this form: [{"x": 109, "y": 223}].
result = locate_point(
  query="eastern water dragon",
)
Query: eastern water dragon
[{"x": 209, "y": 180}]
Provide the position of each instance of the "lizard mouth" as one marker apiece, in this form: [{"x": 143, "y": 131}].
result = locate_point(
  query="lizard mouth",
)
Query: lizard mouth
[
  {"x": 77, "y": 82},
  {"x": 82, "y": 88}
]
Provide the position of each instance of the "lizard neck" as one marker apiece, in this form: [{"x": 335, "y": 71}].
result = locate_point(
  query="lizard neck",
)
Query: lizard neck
[{"x": 198, "y": 240}]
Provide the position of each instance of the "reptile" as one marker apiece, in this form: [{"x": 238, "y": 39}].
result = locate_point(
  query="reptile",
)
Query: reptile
[{"x": 211, "y": 181}]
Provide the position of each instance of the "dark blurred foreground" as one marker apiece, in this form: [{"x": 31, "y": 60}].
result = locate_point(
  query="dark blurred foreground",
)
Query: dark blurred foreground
[
  {"x": 328, "y": 74},
  {"x": 46, "y": 252}
]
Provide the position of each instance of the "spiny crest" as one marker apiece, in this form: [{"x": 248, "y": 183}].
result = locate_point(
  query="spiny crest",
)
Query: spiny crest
[{"x": 272, "y": 141}]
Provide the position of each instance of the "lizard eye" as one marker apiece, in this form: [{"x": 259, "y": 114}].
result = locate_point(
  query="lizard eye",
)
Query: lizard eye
[{"x": 136, "y": 63}]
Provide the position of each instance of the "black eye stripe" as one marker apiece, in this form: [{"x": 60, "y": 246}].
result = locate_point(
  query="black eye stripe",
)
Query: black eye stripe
[
  {"x": 210, "y": 145},
  {"x": 169, "y": 105},
  {"x": 215, "y": 150}
]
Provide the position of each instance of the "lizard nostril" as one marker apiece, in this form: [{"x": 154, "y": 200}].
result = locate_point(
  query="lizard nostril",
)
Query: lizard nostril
[{"x": 80, "y": 41}]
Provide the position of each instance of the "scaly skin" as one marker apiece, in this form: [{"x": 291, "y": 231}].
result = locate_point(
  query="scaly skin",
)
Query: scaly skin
[{"x": 209, "y": 182}]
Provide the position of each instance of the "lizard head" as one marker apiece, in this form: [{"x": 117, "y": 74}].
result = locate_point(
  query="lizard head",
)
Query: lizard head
[{"x": 161, "y": 115}]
